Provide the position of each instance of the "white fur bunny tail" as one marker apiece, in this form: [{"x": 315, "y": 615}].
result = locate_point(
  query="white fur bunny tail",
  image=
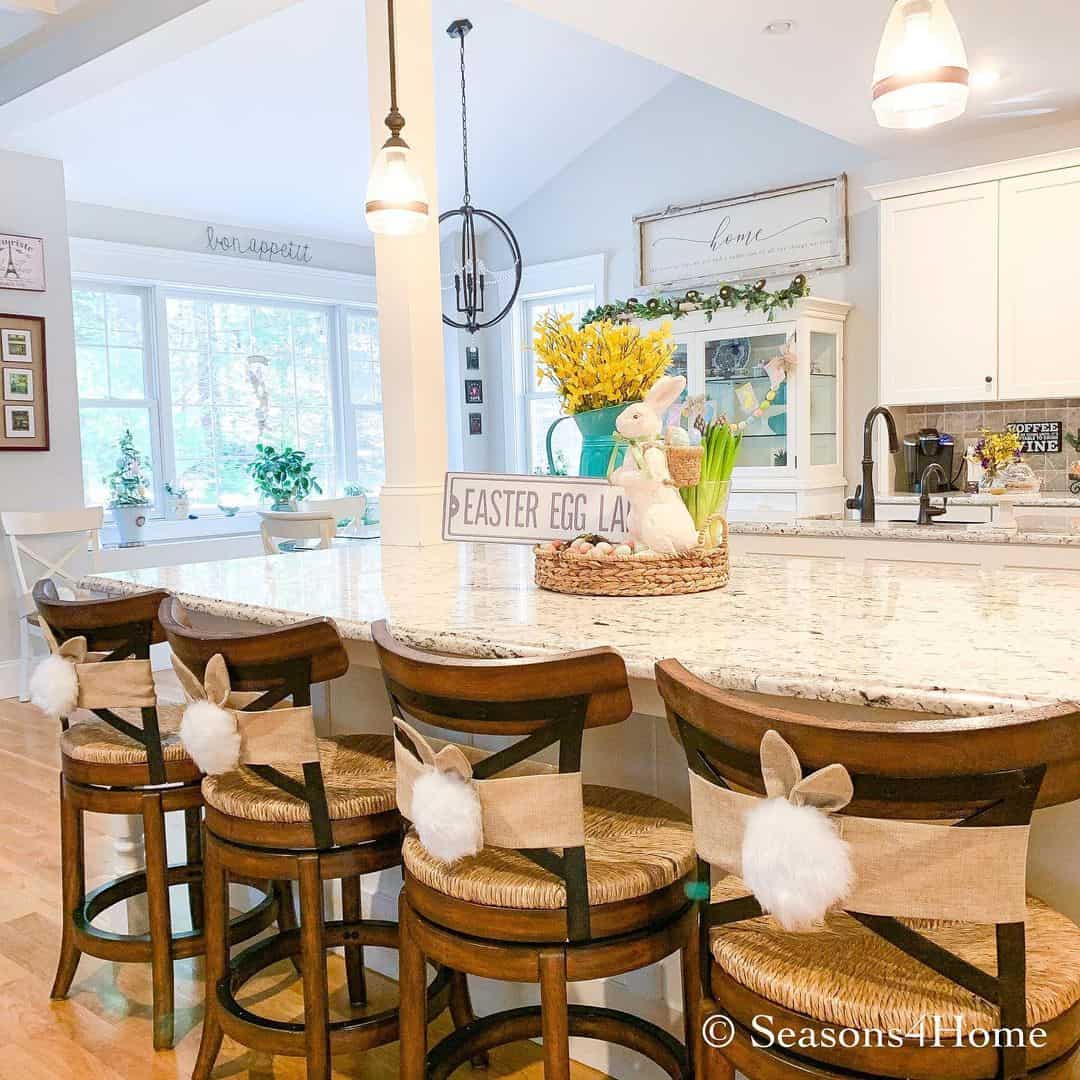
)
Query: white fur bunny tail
[
  {"x": 210, "y": 736},
  {"x": 447, "y": 817},
  {"x": 54, "y": 686},
  {"x": 795, "y": 862}
]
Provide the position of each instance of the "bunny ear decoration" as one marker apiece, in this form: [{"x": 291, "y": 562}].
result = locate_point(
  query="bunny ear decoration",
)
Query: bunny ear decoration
[
  {"x": 54, "y": 686},
  {"x": 793, "y": 858},
  {"x": 664, "y": 392},
  {"x": 444, "y": 804},
  {"x": 208, "y": 730}
]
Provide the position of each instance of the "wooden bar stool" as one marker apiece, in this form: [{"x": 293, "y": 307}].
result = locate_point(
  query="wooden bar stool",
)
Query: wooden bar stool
[
  {"x": 295, "y": 808},
  {"x": 569, "y": 882},
  {"x": 125, "y": 759},
  {"x": 934, "y": 920}
]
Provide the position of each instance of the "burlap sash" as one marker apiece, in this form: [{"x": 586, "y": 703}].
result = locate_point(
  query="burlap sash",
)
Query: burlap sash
[
  {"x": 116, "y": 684},
  {"x": 902, "y": 868},
  {"x": 281, "y": 736},
  {"x": 528, "y": 810}
]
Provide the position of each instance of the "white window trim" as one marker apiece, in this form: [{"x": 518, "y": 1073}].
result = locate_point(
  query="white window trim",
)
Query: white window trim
[
  {"x": 161, "y": 270},
  {"x": 540, "y": 281}
]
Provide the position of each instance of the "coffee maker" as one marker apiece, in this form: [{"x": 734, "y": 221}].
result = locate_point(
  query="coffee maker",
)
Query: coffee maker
[{"x": 925, "y": 447}]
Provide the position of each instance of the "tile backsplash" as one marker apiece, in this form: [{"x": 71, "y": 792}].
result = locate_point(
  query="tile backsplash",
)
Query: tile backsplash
[{"x": 965, "y": 419}]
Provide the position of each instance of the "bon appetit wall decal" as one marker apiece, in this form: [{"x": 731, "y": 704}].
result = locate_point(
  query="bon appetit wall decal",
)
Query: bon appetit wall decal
[{"x": 294, "y": 251}]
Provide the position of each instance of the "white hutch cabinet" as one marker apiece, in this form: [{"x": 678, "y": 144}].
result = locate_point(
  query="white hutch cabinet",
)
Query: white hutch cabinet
[
  {"x": 791, "y": 460},
  {"x": 979, "y": 278}
]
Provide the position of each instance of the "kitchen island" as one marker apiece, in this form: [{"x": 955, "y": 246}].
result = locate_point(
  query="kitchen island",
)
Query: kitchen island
[{"x": 879, "y": 642}]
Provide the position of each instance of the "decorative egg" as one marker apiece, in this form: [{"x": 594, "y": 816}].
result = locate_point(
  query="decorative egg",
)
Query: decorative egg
[
  {"x": 622, "y": 550},
  {"x": 603, "y": 548}
]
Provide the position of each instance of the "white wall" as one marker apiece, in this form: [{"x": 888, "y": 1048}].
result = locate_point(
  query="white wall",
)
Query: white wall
[
  {"x": 691, "y": 143},
  {"x": 32, "y": 202}
]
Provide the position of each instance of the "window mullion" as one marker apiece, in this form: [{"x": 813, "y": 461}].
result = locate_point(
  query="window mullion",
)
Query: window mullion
[{"x": 156, "y": 365}]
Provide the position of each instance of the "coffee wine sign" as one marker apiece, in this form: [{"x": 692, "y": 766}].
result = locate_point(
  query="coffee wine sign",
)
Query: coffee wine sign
[
  {"x": 783, "y": 231},
  {"x": 513, "y": 509}
]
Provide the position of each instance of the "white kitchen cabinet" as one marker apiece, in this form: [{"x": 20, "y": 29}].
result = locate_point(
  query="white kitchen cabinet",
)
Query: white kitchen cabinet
[
  {"x": 1039, "y": 285},
  {"x": 791, "y": 459},
  {"x": 939, "y": 296}
]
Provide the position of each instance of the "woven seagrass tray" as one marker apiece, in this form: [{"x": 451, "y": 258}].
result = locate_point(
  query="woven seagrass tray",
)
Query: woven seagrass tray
[{"x": 698, "y": 570}]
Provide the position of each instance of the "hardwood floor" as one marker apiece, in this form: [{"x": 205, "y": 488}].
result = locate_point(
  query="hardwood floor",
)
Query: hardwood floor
[{"x": 103, "y": 1031}]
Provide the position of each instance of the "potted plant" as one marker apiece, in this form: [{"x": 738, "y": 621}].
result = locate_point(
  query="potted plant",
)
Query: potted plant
[
  {"x": 598, "y": 370},
  {"x": 128, "y": 496},
  {"x": 283, "y": 477},
  {"x": 177, "y": 504}
]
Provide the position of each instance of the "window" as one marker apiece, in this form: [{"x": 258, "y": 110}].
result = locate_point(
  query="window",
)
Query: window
[
  {"x": 115, "y": 381},
  {"x": 225, "y": 373},
  {"x": 542, "y": 404}
]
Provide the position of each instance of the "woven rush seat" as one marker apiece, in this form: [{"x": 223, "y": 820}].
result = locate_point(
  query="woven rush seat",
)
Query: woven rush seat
[
  {"x": 849, "y": 976},
  {"x": 358, "y": 773},
  {"x": 634, "y": 845},
  {"x": 95, "y": 742}
]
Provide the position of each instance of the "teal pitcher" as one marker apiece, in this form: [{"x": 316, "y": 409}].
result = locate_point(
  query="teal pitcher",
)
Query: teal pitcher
[{"x": 597, "y": 427}]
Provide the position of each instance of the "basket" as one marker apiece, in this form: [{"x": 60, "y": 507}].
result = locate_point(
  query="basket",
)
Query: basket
[
  {"x": 698, "y": 570},
  {"x": 684, "y": 464}
]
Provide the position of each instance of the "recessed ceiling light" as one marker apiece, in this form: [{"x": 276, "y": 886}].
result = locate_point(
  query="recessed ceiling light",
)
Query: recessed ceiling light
[
  {"x": 980, "y": 80},
  {"x": 778, "y": 27}
]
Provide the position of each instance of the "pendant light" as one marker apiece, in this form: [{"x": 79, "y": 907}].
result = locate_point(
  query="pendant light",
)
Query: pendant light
[
  {"x": 471, "y": 276},
  {"x": 397, "y": 203},
  {"x": 921, "y": 74}
]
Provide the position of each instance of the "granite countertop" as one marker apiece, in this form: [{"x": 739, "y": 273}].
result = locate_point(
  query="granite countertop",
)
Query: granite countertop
[
  {"x": 942, "y": 639},
  {"x": 1046, "y": 499},
  {"x": 1053, "y": 535}
]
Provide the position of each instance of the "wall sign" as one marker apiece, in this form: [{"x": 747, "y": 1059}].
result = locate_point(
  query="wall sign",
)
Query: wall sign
[
  {"x": 516, "y": 509},
  {"x": 476, "y": 423},
  {"x": 22, "y": 263},
  {"x": 265, "y": 250},
  {"x": 474, "y": 391},
  {"x": 752, "y": 236},
  {"x": 1038, "y": 436}
]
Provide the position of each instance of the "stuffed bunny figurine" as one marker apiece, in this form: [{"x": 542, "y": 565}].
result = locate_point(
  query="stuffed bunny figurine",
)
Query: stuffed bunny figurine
[{"x": 658, "y": 518}]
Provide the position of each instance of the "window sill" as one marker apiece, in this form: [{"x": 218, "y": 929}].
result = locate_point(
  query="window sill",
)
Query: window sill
[{"x": 162, "y": 530}]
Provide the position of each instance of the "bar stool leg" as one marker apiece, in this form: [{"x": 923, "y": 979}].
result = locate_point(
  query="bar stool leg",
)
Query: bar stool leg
[
  {"x": 690, "y": 964},
  {"x": 73, "y": 882},
  {"x": 286, "y": 918},
  {"x": 412, "y": 1007},
  {"x": 193, "y": 849},
  {"x": 216, "y": 887},
  {"x": 157, "y": 893},
  {"x": 351, "y": 911},
  {"x": 313, "y": 954},
  {"x": 555, "y": 1017},
  {"x": 462, "y": 1013}
]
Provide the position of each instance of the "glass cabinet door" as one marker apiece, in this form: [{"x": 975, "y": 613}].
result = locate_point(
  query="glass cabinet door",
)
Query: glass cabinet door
[
  {"x": 823, "y": 393},
  {"x": 737, "y": 382}
]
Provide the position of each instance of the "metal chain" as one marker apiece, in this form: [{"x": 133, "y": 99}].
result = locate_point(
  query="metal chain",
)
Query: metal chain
[{"x": 464, "y": 125}]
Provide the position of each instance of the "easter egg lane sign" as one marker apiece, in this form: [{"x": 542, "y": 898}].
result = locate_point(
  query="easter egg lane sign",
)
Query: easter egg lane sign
[{"x": 514, "y": 509}]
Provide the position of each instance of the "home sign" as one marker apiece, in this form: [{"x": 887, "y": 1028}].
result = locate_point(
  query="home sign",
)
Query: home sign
[
  {"x": 783, "y": 231},
  {"x": 1038, "y": 436},
  {"x": 507, "y": 508}
]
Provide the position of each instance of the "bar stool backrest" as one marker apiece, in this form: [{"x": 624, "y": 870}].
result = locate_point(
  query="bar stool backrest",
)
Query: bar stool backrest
[
  {"x": 269, "y": 668},
  {"x": 122, "y": 629},
  {"x": 549, "y": 702},
  {"x": 910, "y": 780}
]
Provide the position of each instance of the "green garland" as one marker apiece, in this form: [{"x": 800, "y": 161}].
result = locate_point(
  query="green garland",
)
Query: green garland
[{"x": 752, "y": 297}]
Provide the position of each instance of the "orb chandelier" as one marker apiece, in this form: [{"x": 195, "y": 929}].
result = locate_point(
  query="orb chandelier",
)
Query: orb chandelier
[
  {"x": 921, "y": 74},
  {"x": 470, "y": 276},
  {"x": 397, "y": 202}
]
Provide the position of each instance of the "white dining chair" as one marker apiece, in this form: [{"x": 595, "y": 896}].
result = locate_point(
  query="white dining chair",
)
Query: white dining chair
[{"x": 40, "y": 558}]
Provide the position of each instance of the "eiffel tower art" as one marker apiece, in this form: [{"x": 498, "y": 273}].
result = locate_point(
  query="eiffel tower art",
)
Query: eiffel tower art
[{"x": 12, "y": 270}]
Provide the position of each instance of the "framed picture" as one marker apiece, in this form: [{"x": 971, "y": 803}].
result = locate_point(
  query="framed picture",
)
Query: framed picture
[
  {"x": 768, "y": 233},
  {"x": 22, "y": 263},
  {"x": 18, "y": 384},
  {"x": 472, "y": 358},
  {"x": 474, "y": 392},
  {"x": 476, "y": 424},
  {"x": 25, "y": 389},
  {"x": 18, "y": 346},
  {"x": 19, "y": 422}
]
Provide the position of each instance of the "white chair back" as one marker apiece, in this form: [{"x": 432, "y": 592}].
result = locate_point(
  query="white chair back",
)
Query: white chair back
[{"x": 39, "y": 556}]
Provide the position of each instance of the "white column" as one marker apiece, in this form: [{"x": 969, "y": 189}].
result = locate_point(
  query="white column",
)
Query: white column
[{"x": 407, "y": 282}]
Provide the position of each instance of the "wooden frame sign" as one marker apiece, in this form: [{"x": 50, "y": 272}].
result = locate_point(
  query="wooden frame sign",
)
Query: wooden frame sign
[
  {"x": 784, "y": 231},
  {"x": 508, "y": 508},
  {"x": 24, "y": 424}
]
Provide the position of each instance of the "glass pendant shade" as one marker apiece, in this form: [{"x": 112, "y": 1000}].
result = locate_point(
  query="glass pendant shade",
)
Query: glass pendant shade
[
  {"x": 397, "y": 202},
  {"x": 921, "y": 74}
]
